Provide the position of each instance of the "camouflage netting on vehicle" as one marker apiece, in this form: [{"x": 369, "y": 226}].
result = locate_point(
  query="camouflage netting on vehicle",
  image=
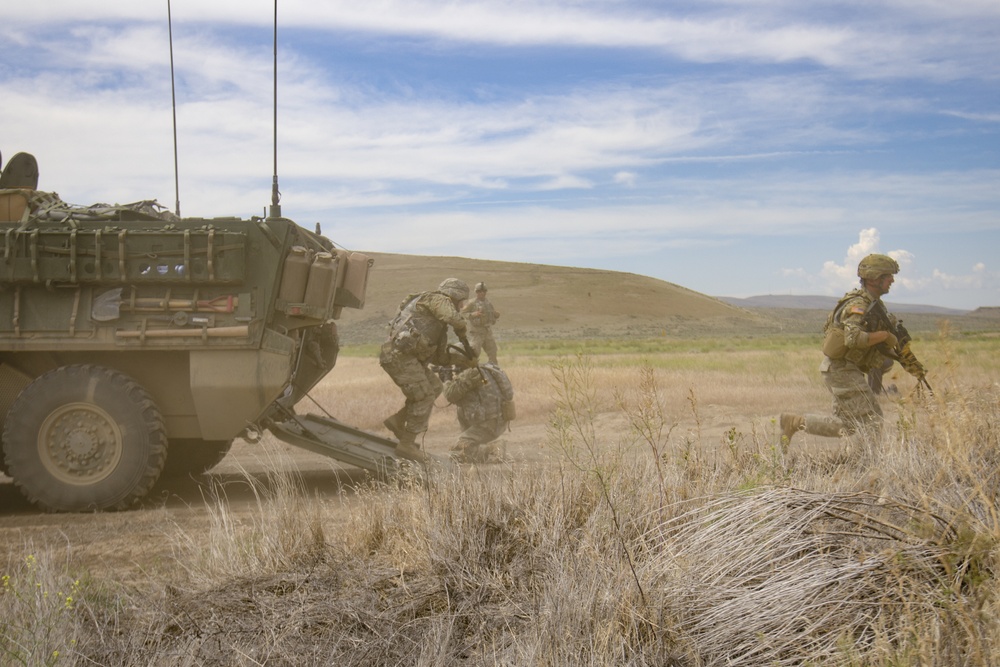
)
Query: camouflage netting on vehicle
[{"x": 49, "y": 206}]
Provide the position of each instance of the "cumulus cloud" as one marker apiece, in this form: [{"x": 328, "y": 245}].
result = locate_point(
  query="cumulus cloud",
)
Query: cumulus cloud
[{"x": 837, "y": 276}]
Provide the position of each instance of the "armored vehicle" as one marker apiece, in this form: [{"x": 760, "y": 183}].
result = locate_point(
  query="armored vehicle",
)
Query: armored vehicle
[{"x": 135, "y": 343}]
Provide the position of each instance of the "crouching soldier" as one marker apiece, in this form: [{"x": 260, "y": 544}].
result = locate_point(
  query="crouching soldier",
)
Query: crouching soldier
[{"x": 485, "y": 400}]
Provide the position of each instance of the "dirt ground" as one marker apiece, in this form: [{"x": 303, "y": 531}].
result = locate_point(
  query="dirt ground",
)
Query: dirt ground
[{"x": 134, "y": 544}]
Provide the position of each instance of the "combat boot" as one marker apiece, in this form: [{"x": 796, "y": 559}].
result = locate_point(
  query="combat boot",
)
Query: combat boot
[
  {"x": 408, "y": 449},
  {"x": 396, "y": 423},
  {"x": 790, "y": 425}
]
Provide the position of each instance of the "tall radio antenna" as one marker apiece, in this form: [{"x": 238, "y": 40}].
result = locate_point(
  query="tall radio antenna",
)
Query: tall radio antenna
[
  {"x": 275, "y": 211},
  {"x": 173, "y": 106}
]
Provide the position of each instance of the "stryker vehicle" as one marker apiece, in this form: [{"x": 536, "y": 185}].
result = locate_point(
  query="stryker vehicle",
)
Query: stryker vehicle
[{"x": 135, "y": 344}]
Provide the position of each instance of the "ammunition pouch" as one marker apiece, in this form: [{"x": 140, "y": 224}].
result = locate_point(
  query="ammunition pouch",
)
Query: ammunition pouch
[
  {"x": 405, "y": 340},
  {"x": 834, "y": 345},
  {"x": 508, "y": 411}
]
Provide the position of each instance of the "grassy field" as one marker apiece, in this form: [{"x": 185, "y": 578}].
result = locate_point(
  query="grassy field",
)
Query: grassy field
[{"x": 646, "y": 515}]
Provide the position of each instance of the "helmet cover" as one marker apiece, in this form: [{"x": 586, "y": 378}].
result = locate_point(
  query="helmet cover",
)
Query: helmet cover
[
  {"x": 455, "y": 289},
  {"x": 875, "y": 266}
]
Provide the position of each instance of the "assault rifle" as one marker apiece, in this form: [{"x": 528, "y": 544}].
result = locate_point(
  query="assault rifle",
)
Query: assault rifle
[
  {"x": 446, "y": 373},
  {"x": 466, "y": 347},
  {"x": 877, "y": 319}
]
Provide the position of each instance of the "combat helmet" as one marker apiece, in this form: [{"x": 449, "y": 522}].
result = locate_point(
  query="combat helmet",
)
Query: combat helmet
[
  {"x": 480, "y": 287},
  {"x": 454, "y": 288},
  {"x": 874, "y": 266},
  {"x": 458, "y": 358}
]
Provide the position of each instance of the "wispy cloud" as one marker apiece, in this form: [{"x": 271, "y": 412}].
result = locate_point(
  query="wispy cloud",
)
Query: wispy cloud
[{"x": 562, "y": 131}]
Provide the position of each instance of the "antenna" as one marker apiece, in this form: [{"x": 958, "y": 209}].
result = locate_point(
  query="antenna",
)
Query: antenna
[
  {"x": 275, "y": 194},
  {"x": 173, "y": 106}
]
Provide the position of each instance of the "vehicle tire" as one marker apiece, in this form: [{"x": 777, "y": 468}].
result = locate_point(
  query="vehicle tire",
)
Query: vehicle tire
[
  {"x": 193, "y": 456},
  {"x": 84, "y": 438}
]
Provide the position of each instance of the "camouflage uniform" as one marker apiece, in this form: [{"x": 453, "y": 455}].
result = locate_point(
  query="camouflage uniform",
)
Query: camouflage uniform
[
  {"x": 855, "y": 406},
  {"x": 417, "y": 336},
  {"x": 479, "y": 393},
  {"x": 481, "y": 316}
]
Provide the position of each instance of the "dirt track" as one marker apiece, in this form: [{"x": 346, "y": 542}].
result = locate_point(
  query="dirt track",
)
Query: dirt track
[{"x": 135, "y": 543}]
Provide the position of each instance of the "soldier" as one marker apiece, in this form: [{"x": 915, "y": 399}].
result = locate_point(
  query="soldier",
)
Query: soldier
[
  {"x": 853, "y": 345},
  {"x": 484, "y": 398},
  {"x": 875, "y": 378},
  {"x": 481, "y": 316},
  {"x": 418, "y": 336}
]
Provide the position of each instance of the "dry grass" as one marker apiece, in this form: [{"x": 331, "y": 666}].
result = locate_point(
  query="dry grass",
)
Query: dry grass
[{"x": 646, "y": 544}]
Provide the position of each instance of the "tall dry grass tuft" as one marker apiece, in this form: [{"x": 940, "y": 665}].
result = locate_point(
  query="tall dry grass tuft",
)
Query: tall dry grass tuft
[
  {"x": 285, "y": 531},
  {"x": 39, "y": 609},
  {"x": 786, "y": 576},
  {"x": 635, "y": 548}
]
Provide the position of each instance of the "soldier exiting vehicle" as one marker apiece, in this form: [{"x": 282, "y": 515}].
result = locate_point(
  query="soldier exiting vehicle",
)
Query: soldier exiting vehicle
[
  {"x": 481, "y": 316},
  {"x": 418, "y": 336}
]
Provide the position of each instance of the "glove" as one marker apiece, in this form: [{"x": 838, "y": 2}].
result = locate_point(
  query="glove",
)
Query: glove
[
  {"x": 910, "y": 363},
  {"x": 891, "y": 341},
  {"x": 467, "y": 347}
]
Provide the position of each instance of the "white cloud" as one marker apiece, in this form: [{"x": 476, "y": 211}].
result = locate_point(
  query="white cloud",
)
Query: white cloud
[
  {"x": 834, "y": 278},
  {"x": 781, "y": 138},
  {"x": 626, "y": 178},
  {"x": 873, "y": 39},
  {"x": 977, "y": 278}
]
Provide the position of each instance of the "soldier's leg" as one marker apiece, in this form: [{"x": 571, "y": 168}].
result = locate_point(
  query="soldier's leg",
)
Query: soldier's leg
[
  {"x": 420, "y": 396},
  {"x": 472, "y": 443},
  {"x": 875, "y": 377},
  {"x": 391, "y": 363},
  {"x": 396, "y": 422},
  {"x": 419, "y": 385},
  {"x": 854, "y": 403},
  {"x": 854, "y": 407},
  {"x": 826, "y": 426},
  {"x": 823, "y": 425},
  {"x": 490, "y": 346},
  {"x": 461, "y": 450},
  {"x": 475, "y": 340}
]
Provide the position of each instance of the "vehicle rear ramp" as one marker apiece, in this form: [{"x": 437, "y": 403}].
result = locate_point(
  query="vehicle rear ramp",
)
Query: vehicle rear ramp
[{"x": 329, "y": 437}]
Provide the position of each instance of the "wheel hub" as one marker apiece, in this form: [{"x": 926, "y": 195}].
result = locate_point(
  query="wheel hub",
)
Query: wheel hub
[{"x": 80, "y": 443}]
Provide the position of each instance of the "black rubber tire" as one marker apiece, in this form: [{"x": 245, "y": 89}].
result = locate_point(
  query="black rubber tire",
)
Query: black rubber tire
[
  {"x": 82, "y": 438},
  {"x": 193, "y": 456}
]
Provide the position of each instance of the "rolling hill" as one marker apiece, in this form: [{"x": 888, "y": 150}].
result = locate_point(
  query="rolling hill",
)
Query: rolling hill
[
  {"x": 815, "y": 302},
  {"x": 544, "y": 301}
]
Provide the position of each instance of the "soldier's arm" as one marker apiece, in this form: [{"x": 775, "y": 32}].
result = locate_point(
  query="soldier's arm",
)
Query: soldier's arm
[
  {"x": 466, "y": 381},
  {"x": 443, "y": 309},
  {"x": 855, "y": 335}
]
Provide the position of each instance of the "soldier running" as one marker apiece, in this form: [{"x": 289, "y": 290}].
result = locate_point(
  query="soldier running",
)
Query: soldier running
[{"x": 854, "y": 344}]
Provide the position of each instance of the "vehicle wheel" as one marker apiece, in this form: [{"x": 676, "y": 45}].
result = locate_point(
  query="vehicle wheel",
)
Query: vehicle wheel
[
  {"x": 194, "y": 456},
  {"x": 84, "y": 438}
]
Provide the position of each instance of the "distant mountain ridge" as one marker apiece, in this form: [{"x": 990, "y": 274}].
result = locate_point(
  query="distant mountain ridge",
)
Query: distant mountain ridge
[{"x": 816, "y": 302}]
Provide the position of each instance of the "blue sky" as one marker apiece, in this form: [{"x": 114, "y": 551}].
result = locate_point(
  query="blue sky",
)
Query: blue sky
[{"x": 737, "y": 148}]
